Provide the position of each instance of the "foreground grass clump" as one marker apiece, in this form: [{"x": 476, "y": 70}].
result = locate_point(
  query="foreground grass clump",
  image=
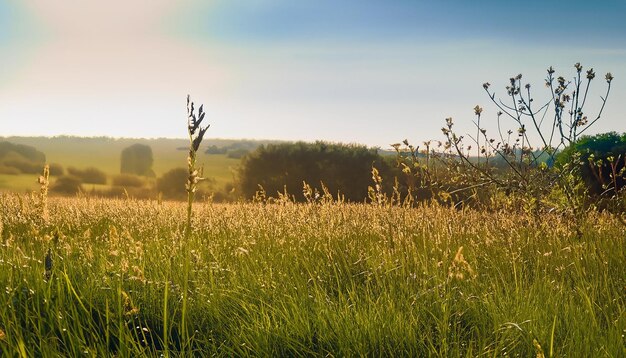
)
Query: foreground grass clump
[{"x": 104, "y": 277}]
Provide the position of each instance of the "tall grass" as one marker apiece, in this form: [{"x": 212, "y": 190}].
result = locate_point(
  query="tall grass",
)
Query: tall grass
[{"x": 307, "y": 279}]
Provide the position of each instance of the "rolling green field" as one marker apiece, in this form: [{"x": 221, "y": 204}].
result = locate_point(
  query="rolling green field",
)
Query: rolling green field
[
  {"x": 119, "y": 277},
  {"x": 104, "y": 154}
]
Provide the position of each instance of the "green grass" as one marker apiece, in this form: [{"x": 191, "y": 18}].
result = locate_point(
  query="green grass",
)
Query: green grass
[
  {"x": 293, "y": 280},
  {"x": 19, "y": 183}
]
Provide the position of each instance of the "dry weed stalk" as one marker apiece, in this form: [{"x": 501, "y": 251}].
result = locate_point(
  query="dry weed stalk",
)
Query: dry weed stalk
[
  {"x": 44, "y": 182},
  {"x": 196, "y": 133}
]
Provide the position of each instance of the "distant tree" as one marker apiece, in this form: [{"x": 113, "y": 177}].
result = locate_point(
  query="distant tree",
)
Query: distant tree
[
  {"x": 23, "y": 165},
  {"x": 137, "y": 159},
  {"x": 23, "y": 151},
  {"x": 213, "y": 149},
  {"x": 88, "y": 175},
  {"x": 342, "y": 168},
  {"x": 243, "y": 144},
  {"x": 172, "y": 183},
  {"x": 129, "y": 181},
  {"x": 56, "y": 169},
  {"x": 23, "y": 158},
  {"x": 68, "y": 185},
  {"x": 237, "y": 153}
]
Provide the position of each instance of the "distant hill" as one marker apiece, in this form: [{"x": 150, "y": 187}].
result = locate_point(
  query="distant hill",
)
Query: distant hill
[
  {"x": 220, "y": 157},
  {"x": 104, "y": 154}
]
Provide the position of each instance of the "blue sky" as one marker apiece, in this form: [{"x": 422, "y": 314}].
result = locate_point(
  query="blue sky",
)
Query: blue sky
[
  {"x": 379, "y": 20},
  {"x": 366, "y": 71}
]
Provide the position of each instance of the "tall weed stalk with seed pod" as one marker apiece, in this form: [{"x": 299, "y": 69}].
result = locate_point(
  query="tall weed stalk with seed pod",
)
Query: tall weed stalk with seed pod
[
  {"x": 196, "y": 133},
  {"x": 517, "y": 160}
]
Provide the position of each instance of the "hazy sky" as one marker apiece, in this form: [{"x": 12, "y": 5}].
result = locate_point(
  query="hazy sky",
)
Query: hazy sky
[{"x": 366, "y": 71}]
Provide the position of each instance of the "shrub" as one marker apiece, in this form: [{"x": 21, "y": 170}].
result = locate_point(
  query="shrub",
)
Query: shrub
[
  {"x": 56, "y": 169},
  {"x": 129, "y": 181},
  {"x": 89, "y": 175},
  {"x": 172, "y": 184},
  {"x": 68, "y": 185},
  {"x": 601, "y": 161}
]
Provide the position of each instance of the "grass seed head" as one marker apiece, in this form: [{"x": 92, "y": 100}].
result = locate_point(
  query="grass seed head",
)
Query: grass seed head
[{"x": 460, "y": 267}]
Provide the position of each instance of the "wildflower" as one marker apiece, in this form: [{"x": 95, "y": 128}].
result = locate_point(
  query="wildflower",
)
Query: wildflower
[
  {"x": 486, "y": 85},
  {"x": 478, "y": 110},
  {"x": 590, "y": 74},
  {"x": 550, "y": 70},
  {"x": 527, "y": 86},
  {"x": 3, "y": 335},
  {"x": 578, "y": 66},
  {"x": 609, "y": 77}
]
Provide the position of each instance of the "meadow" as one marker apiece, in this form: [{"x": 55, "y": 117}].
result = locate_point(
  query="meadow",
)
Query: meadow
[
  {"x": 104, "y": 154},
  {"x": 105, "y": 277}
]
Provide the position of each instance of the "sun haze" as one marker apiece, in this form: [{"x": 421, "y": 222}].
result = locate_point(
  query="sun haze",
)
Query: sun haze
[{"x": 372, "y": 72}]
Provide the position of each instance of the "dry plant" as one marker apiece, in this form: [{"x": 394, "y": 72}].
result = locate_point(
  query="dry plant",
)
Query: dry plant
[
  {"x": 44, "y": 182},
  {"x": 196, "y": 133},
  {"x": 515, "y": 161}
]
